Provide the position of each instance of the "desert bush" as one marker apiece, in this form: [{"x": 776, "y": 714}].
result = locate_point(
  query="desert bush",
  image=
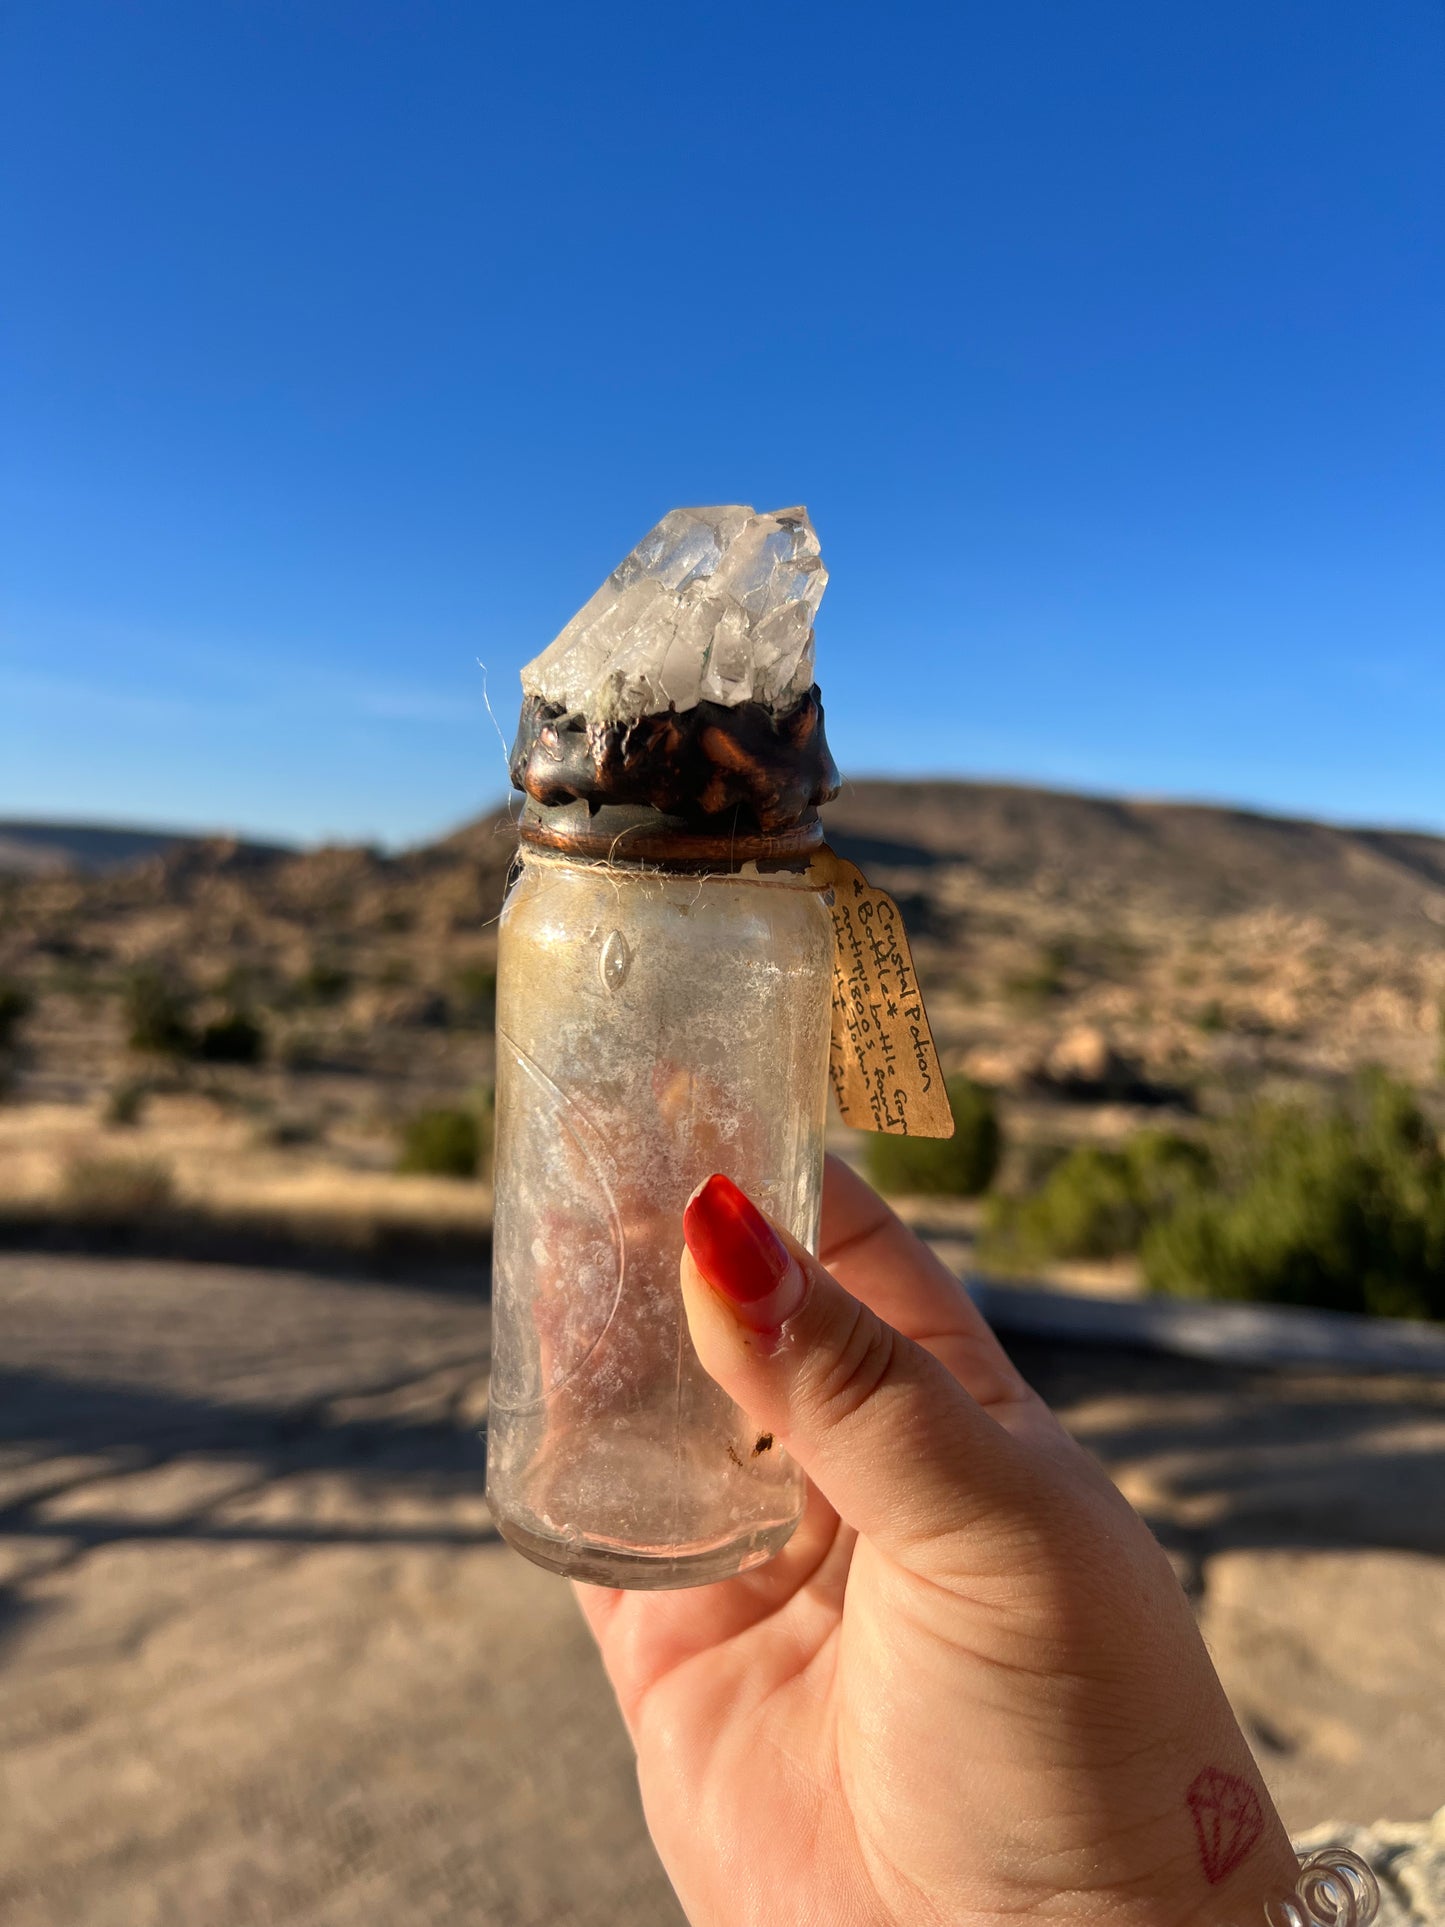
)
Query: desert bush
[
  {"x": 323, "y": 982},
  {"x": 155, "y": 1016},
  {"x": 252, "y": 984},
  {"x": 287, "y": 1132},
  {"x": 303, "y": 1050},
  {"x": 474, "y": 995},
  {"x": 1095, "y": 1202},
  {"x": 1114, "y": 955},
  {"x": 338, "y": 1051},
  {"x": 482, "y": 1100},
  {"x": 15, "y": 1006},
  {"x": 116, "y": 1189},
  {"x": 126, "y": 1102},
  {"x": 1342, "y": 1208},
  {"x": 442, "y": 1143},
  {"x": 1040, "y": 985},
  {"x": 961, "y": 1166},
  {"x": 235, "y": 1038}
]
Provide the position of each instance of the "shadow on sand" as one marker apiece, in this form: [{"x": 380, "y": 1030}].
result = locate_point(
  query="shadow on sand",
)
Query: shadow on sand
[
  {"x": 1221, "y": 1458},
  {"x": 61, "y": 1436}
]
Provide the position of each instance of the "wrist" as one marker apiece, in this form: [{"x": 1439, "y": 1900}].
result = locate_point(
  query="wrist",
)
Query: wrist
[
  {"x": 1240, "y": 1900},
  {"x": 1241, "y": 1859},
  {"x": 1217, "y": 1858},
  {"x": 1328, "y": 1888}
]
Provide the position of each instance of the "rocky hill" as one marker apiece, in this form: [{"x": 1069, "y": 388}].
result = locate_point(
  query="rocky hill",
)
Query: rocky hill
[
  {"x": 91, "y": 849},
  {"x": 1103, "y": 853},
  {"x": 1098, "y": 853}
]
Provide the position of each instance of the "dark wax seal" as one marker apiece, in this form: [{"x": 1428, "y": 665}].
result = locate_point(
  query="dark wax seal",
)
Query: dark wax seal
[{"x": 745, "y": 764}]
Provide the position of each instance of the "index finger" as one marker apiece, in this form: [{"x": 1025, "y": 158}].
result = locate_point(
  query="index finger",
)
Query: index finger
[{"x": 875, "y": 1256}]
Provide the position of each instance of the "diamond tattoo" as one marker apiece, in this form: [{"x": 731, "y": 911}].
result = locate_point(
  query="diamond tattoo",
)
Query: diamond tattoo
[{"x": 1228, "y": 1819}]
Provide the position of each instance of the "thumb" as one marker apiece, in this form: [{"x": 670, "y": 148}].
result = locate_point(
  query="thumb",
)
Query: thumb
[{"x": 886, "y": 1433}]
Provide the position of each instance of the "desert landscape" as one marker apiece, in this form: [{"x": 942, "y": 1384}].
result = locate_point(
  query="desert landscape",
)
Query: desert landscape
[
  {"x": 262, "y": 1657},
  {"x": 1100, "y": 964}
]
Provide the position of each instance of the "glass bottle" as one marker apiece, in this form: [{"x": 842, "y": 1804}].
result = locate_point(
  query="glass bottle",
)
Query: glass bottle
[{"x": 656, "y": 1021}]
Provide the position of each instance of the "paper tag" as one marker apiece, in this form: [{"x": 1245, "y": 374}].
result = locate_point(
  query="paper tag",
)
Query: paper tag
[{"x": 883, "y": 1063}]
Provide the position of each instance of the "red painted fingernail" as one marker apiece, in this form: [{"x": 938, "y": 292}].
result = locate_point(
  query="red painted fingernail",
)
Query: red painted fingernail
[{"x": 741, "y": 1256}]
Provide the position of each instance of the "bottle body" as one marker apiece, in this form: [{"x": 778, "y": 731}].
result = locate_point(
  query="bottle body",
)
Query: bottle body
[{"x": 652, "y": 1028}]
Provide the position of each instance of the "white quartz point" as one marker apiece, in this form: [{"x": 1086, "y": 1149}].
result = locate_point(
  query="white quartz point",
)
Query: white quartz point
[{"x": 712, "y": 605}]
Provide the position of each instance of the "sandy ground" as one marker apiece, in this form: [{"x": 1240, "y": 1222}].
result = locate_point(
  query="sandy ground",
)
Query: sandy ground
[
  {"x": 223, "y": 1164},
  {"x": 262, "y": 1659}
]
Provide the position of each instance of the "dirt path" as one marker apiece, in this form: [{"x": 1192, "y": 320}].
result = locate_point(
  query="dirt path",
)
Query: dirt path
[
  {"x": 263, "y": 1661},
  {"x": 1306, "y": 1515},
  {"x": 262, "y": 1658}
]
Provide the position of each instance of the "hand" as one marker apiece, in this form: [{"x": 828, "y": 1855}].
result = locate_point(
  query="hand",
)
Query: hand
[{"x": 969, "y": 1689}]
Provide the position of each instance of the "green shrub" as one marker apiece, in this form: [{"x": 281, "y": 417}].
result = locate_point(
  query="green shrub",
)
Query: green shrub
[
  {"x": 961, "y": 1166},
  {"x": 1034, "y": 988},
  {"x": 1343, "y": 1209},
  {"x": 287, "y": 1132},
  {"x": 252, "y": 986},
  {"x": 155, "y": 1015},
  {"x": 324, "y": 982},
  {"x": 116, "y": 1189},
  {"x": 443, "y": 1143},
  {"x": 233, "y": 1039},
  {"x": 1211, "y": 1018},
  {"x": 1115, "y": 956},
  {"x": 474, "y": 995},
  {"x": 14, "y": 1008},
  {"x": 126, "y": 1102},
  {"x": 1095, "y": 1202},
  {"x": 483, "y": 1101},
  {"x": 303, "y": 1050}
]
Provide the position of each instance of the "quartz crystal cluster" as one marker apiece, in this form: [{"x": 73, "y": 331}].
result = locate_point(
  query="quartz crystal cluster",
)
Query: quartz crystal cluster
[{"x": 713, "y": 605}]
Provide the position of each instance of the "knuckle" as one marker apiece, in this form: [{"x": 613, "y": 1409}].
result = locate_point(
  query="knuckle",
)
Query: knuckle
[{"x": 852, "y": 1366}]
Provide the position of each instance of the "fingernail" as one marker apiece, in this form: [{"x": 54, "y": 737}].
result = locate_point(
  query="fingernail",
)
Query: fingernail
[{"x": 741, "y": 1256}]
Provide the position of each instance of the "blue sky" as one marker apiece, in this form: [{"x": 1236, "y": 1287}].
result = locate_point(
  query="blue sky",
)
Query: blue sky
[{"x": 351, "y": 342}]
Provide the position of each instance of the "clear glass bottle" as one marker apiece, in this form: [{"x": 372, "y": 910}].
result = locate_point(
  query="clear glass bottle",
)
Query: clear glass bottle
[{"x": 653, "y": 1026}]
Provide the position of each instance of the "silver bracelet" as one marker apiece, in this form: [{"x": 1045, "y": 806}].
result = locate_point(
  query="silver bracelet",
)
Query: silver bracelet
[{"x": 1335, "y": 1889}]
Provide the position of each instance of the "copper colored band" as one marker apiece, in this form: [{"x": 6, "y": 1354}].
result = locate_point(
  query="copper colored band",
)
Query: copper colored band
[{"x": 673, "y": 849}]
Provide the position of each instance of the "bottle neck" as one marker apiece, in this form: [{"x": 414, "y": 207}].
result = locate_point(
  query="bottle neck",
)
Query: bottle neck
[{"x": 624, "y": 836}]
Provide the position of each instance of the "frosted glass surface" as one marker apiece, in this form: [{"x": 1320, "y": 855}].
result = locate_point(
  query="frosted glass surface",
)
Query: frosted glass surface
[{"x": 650, "y": 1031}]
